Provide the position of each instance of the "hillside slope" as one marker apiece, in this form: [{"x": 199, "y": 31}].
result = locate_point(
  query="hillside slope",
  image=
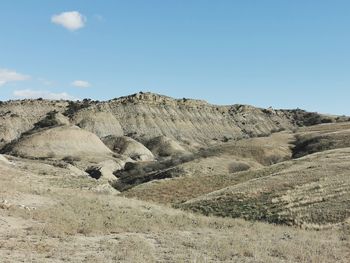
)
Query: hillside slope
[
  {"x": 145, "y": 116},
  {"x": 71, "y": 171},
  {"x": 211, "y": 169},
  {"x": 256, "y": 179},
  {"x": 49, "y": 215},
  {"x": 310, "y": 191}
]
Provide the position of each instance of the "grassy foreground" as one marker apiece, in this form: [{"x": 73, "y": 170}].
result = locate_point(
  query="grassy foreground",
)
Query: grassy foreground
[{"x": 50, "y": 216}]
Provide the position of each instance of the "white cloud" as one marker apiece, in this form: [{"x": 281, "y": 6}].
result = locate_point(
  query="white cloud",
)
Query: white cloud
[
  {"x": 71, "y": 20},
  {"x": 81, "y": 84},
  {"x": 11, "y": 76},
  {"x": 34, "y": 94}
]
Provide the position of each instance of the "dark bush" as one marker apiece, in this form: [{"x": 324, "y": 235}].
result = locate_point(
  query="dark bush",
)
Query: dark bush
[
  {"x": 74, "y": 106},
  {"x": 137, "y": 173},
  {"x": 71, "y": 159},
  {"x": 304, "y": 118},
  {"x": 308, "y": 145},
  {"x": 48, "y": 121},
  {"x": 94, "y": 172}
]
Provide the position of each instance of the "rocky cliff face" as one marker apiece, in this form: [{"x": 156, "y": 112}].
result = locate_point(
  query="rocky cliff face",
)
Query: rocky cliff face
[
  {"x": 144, "y": 116},
  {"x": 17, "y": 117}
]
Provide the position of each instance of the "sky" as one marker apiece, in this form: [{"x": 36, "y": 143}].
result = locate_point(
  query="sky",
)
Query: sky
[{"x": 279, "y": 53}]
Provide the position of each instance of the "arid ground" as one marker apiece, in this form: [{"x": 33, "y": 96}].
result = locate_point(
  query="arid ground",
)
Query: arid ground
[{"x": 147, "y": 178}]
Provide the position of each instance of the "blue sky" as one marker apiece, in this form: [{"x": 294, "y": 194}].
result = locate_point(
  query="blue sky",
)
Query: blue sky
[{"x": 280, "y": 53}]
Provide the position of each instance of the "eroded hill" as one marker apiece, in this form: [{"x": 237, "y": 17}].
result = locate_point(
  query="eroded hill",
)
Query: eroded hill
[
  {"x": 72, "y": 172},
  {"x": 145, "y": 116}
]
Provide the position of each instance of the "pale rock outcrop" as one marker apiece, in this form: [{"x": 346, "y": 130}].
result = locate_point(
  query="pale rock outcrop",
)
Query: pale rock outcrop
[
  {"x": 99, "y": 122},
  {"x": 144, "y": 116},
  {"x": 129, "y": 147},
  {"x": 17, "y": 117},
  {"x": 4, "y": 159},
  {"x": 75, "y": 170},
  {"x": 104, "y": 170},
  {"x": 60, "y": 142}
]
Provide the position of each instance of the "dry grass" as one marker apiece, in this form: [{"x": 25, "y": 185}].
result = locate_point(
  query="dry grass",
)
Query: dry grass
[
  {"x": 52, "y": 216},
  {"x": 329, "y": 127},
  {"x": 130, "y": 231},
  {"x": 310, "y": 191},
  {"x": 209, "y": 171},
  {"x": 73, "y": 224},
  {"x": 235, "y": 167},
  {"x": 178, "y": 190}
]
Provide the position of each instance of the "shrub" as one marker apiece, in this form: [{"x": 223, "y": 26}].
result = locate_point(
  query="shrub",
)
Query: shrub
[
  {"x": 236, "y": 166},
  {"x": 94, "y": 172},
  {"x": 74, "y": 106},
  {"x": 71, "y": 159},
  {"x": 303, "y": 118},
  {"x": 48, "y": 121},
  {"x": 305, "y": 145},
  {"x": 273, "y": 159}
]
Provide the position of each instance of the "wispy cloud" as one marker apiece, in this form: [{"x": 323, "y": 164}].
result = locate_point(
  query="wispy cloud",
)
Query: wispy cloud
[
  {"x": 81, "y": 84},
  {"x": 72, "y": 20},
  {"x": 11, "y": 76},
  {"x": 45, "y": 94}
]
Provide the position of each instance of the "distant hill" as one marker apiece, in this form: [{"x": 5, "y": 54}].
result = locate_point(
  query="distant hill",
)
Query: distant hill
[{"x": 144, "y": 116}]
